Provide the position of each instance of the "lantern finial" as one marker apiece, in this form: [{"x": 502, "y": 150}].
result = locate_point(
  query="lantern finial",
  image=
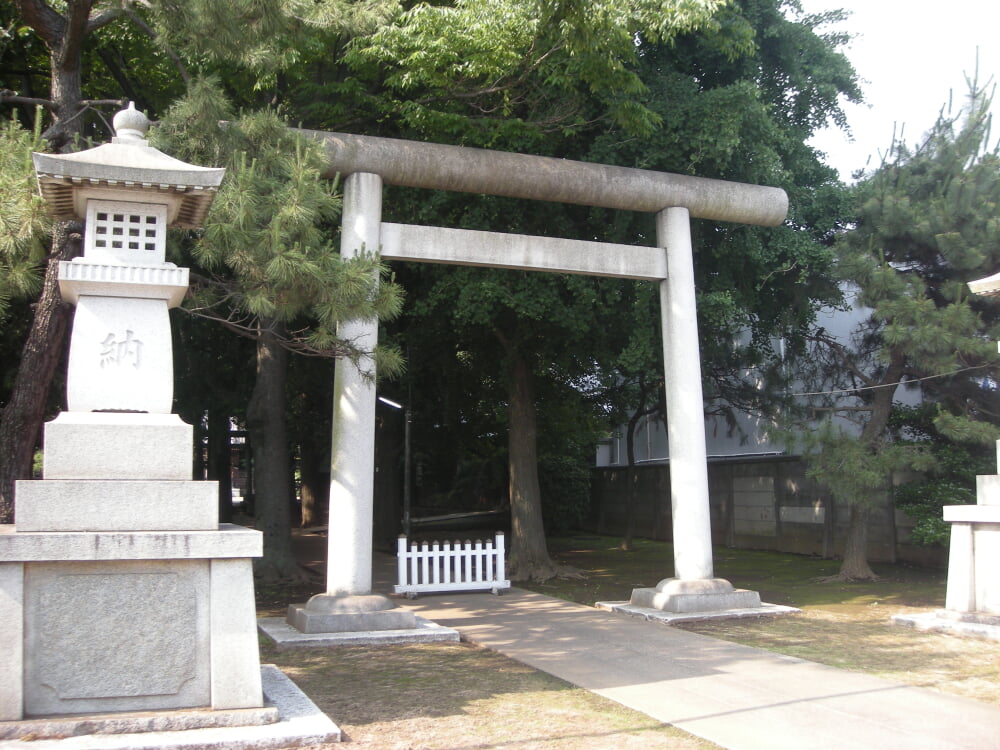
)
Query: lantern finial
[{"x": 130, "y": 125}]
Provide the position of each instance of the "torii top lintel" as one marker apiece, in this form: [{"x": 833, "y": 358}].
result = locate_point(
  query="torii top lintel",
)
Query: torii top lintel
[{"x": 472, "y": 170}]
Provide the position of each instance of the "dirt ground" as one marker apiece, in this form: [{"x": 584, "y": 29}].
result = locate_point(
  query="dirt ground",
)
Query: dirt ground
[{"x": 453, "y": 696}]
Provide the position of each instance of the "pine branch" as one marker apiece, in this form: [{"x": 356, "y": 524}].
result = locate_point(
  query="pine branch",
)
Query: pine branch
[
  {"x": 293, "y": 341},
  {"x": 843, "y": 355},
  {"x": 103, "y": 19}
]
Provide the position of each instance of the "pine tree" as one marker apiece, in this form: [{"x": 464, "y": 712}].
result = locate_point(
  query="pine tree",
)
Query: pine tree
[
  {"x": 926, "y": 224},
  {"x": 24, "y": 224},
  {"x": 271, "y": 271}
]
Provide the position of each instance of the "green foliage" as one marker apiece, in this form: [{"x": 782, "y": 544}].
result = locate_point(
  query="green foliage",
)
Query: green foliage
[
  {"x": 457, "y": 376},
  {"x": 926, "y": 225},
  {"x": 853, "y": 471},
  {"x": 565, "y": 486},
  {"x": 951, "y": 479},
  {"x": 571, "y": 427},
  {"x": 491, "y": 72},
  {"x": 595, "y": 344},
  {"x": 264, "y": 37},
  {"x": 744, "y": 114},
  {"x": 923, "y": 504},
  {"x": 268, "y": 240},
  {"x": 24, "y": 224},
  {"x": 689, "y": 86}
]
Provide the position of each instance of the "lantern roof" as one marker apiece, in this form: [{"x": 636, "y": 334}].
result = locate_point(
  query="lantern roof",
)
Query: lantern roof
[
  {"x": 128, "y": 168},
  {"x": 987, "y": 287}
]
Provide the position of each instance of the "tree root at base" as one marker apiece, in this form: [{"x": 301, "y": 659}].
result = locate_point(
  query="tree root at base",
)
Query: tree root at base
[{"x": 542, "y": 572}]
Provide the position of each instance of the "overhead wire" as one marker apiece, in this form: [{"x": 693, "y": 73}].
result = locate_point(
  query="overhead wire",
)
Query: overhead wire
[{"x": 845, "y": 391}]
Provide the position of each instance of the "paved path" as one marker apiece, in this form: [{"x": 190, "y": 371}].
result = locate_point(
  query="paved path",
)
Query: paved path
[{"x": 736, "y": 696}]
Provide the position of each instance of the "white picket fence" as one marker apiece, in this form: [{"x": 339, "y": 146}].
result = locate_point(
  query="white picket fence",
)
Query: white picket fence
[{"x": 450, "y": 566}]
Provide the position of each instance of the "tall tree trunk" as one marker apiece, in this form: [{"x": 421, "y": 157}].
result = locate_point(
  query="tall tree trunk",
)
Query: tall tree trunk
[
  {"x": 628, "y": 541},
  {"x": 529, "y": 556},
  {"x": 220, "y": 461},
  {"x": 272, "y": 467},
  {"x": 22, "y": 417},
  {"x": 65, "y": 43},
  {"x": 855, "y": 564},
  {"x": 315, "y": 491},
  {"x": 641, "y": 411}
]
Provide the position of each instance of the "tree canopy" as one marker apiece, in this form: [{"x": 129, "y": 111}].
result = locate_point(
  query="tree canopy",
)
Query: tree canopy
[{"x": 690, "y": 86}]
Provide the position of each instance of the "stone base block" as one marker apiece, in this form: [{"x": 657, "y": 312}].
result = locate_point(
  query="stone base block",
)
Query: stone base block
[
  {"x": 228, "y": 541},
  {"x": 326, "y": 613},
  {"x": 973, "y": 558},
  {"x": 968, "y": 624},
  {"x": 300, "y": 724},
  {"x": 285, "y": 637},
  {"x": 121, "y": 636},
  {"x": 141, "y": 621},
  {"x": 983, "y": 514},
  {"x": 979, "y": 618},
  {"x": 700, "y": 595},
  {"x": 669, "y": 618},
  {"x": 129, "y": 722},
  {"x": 120, "y": 356},
  {"x": 116, "y": 505},
  {"x": 103, "y": 445},
  {"x": 988, "y": 489}
]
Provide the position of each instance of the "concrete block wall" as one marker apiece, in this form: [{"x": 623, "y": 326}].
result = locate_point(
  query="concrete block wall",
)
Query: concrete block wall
[
  {"x": 756, "y": 503},
  {"x": 754, "y": 506}
]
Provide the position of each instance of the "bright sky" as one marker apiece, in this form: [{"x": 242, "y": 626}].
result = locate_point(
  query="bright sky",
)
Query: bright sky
[{"x": 911, "y": 56}]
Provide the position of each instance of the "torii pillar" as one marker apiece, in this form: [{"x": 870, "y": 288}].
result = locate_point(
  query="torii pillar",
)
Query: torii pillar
[
  {"x": 369, "y": 162},
  {"x": 693, "y": 587},
  {"x": 349, "y": 605}
]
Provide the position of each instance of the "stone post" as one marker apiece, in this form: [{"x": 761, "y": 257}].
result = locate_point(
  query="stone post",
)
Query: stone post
[
  {"x": 349, "y": 604},
  {"x": 693, "y": 587},
  {"x": 972, "y": 598},
  {"x": 352, "y": 475},
  {"x": 685, "y": 406},
  {"x": 973, "y": 593}
]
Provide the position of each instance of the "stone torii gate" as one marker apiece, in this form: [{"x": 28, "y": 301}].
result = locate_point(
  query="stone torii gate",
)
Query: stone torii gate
[{"x": 367, "y": 163}]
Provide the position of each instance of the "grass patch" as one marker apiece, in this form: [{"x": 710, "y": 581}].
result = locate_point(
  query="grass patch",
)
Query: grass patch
[
  {"x": 457, "y": 696},
  {"x": 846, "y": 625}
]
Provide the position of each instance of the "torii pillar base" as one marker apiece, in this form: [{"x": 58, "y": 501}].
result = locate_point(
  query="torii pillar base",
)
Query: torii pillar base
[
  {"x": 699, "y": 595},
  {"x": 328, "y": 613}
]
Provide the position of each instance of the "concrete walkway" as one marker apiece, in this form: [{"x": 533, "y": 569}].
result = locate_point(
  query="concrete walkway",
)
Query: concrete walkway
[{"x": 736, "y": 696}]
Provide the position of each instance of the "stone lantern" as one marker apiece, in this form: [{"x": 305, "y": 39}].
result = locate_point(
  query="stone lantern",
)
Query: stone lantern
[
  {"x": 128, "y": 194},
  {"x": 119, "y": 589}
]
